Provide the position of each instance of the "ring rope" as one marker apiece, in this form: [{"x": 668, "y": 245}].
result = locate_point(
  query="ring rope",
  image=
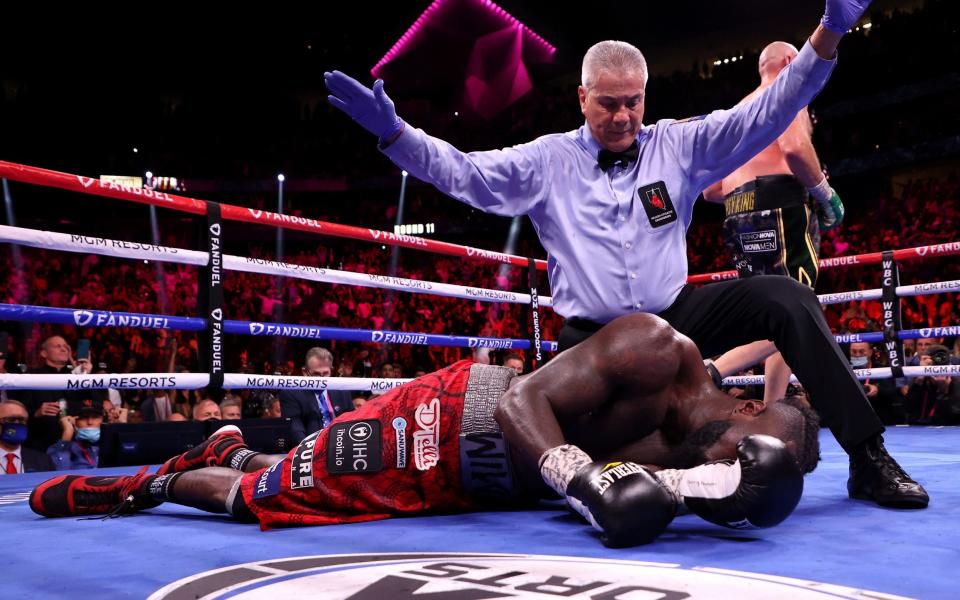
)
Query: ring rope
[
  {"x": 191, "y": 381},
  {"x": 96, "y": 187},
  {"x": 186, "y": 381},
  {"x": 51, "y": 240},
  {"x": 104, "y": 318}
]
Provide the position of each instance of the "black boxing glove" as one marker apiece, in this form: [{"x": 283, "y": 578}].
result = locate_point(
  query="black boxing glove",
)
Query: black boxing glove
[
  {"x": 759, "y": 489},
  {"x": 621, "y": 500},
  {"x": 628, "y": 505}
]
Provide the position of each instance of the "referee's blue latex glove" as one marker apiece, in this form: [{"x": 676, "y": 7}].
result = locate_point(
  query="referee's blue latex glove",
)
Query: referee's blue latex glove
[
  {"x": 841, "y": 15},
  {"x": 372, "y": 108}
]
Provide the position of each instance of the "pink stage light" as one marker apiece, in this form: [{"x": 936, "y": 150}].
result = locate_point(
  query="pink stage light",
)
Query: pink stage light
[{"x": 410, "y": 36}]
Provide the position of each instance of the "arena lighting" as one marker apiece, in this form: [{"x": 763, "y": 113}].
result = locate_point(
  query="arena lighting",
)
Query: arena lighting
[
  {"x": 404, "y": 173},
  {"x": 148, "y": 175},
  {"x": 281, "y": 178},
  {"x": 867, "y": 25},
  {"x": 135, "y": 151},
  {"x": 406, "y": 39}
]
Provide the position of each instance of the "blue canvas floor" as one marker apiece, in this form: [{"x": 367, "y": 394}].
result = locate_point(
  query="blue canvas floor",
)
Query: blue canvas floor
[{"x": 829, "y": 539}]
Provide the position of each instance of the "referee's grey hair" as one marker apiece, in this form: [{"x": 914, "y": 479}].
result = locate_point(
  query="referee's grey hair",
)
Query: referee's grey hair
[{"x": 612, "y": 55}]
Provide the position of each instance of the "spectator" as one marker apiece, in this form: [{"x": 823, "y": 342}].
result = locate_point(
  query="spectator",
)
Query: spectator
[
  {"x": 79, "y": 445},
  {"x": 271, "y": 407},
  {"x": 3, "y": 361},
  {"x": 312, "y": 411},
  {"x": 514, "y": 361},
  {"x": 206, "y": 410},
  {"x": 13, "y": 432},
  {"x": 884, "y": 394},
  {"x": 230, "y": 409},
  {"x": 46, "y": 407},
  {"x": 176, "y": 417},
  {"x": 157, "y": 407}
]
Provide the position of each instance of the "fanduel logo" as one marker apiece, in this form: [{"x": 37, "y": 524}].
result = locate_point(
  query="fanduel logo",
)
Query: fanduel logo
[
  {"x": 82, "y": 317},
  {"x": 256, "y": 328},
  {"x": 256, "y": 214},
  {"x": 215, "y": 229},
  {"x": 217, "y": 314},
  {"x": 87, "y": 181}
]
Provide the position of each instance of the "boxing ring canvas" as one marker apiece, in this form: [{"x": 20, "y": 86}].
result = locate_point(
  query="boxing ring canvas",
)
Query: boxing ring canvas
[{"x": 831, "y": 547}]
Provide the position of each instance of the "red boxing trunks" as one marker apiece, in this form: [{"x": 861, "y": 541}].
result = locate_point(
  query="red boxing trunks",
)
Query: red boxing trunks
[{"x": 430, "y": 445}]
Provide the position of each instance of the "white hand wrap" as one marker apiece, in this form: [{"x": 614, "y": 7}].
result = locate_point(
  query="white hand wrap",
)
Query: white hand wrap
[
  {"x": 821, "y": 192},
  {"x": 558, "y": 466}
]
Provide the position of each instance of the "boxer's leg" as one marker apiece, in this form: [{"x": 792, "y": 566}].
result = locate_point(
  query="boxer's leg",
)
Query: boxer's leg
[{"x": 69, "y": 495}]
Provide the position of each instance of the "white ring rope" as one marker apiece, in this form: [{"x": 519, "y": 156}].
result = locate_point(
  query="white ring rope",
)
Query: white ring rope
[
  {"x": 191, "y": 381},
  {"x": 83, "y": 244},
  {"x": 235, "y": 381}
]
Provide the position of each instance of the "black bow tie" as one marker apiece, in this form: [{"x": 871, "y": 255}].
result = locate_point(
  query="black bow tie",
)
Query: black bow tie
[{"x": 608, "y": 158}]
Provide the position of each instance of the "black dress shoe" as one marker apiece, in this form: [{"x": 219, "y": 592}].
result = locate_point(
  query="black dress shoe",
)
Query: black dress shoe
[{"x": 874, "y": 475}]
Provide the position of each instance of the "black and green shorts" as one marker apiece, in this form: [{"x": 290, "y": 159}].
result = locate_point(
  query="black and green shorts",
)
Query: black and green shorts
[{"x": 770, "y": 229}]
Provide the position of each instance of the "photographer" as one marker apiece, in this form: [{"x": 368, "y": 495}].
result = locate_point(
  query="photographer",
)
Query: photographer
[{"x": 934, "y": 399}]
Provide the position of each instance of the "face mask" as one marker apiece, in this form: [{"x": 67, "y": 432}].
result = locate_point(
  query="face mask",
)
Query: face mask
[
  {"x": 859, "y": 362},
  {"x": 13, "y": 433},
  {"x": 91, "y": 435}
]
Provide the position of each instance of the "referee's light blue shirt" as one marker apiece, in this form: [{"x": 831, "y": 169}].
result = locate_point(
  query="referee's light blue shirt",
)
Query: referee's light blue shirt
[{"x": 614, "y": 244}]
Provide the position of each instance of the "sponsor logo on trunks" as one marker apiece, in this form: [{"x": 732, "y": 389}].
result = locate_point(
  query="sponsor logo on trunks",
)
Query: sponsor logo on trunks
[
  {"x": 759, "y": 241},
  {"x": 740, "y": 202},
  {"x": 301, "y": 465},
  {"x": 484, "y": 466},
  {"x": 657, "y": 204},
  {"x": 463, "y": 575},
  {"x": 354, "y": 447},
  {"x": 400, "y": 431},
  {"x": 268, "y": 484},
  {"x": 426, "y": 439}
]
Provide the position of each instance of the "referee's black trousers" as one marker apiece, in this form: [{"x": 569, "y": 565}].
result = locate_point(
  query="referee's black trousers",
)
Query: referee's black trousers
[{"x": 721, "y": 316}]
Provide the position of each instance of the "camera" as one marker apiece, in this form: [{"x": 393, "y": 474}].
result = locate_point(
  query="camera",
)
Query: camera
[{"x": 940, "y": 357}]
